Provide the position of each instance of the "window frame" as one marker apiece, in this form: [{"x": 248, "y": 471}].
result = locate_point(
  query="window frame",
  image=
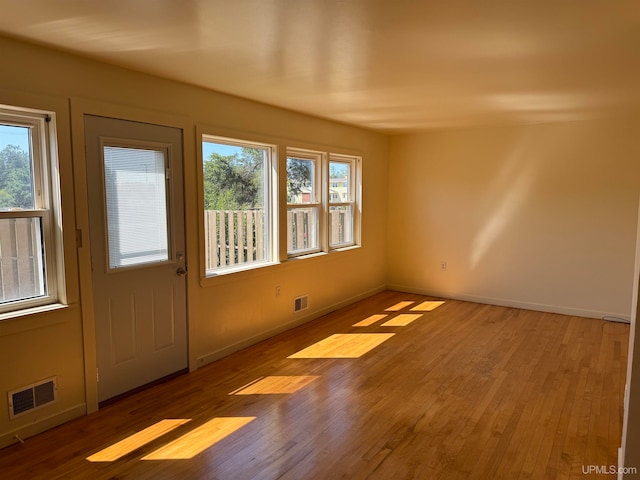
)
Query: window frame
[
  {"x": 165, "y": 150},
  {"x": 319, "y": 160},
  {"x": 44, "y": 161},
  {"x": 270, "y": 170},
  {"x": 355, "y": 187}
]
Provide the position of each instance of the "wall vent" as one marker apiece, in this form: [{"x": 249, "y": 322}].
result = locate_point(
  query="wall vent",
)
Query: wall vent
[
  {"x": 300, "y": 303},
  {"x": 33, "y": 396}
]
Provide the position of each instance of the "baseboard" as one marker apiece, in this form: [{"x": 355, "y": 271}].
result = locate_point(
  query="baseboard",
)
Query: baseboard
[
  {"x": 223, "y": 352},
  {"x": 26, "y": 431},
  {"x": 539, "y": 307}
]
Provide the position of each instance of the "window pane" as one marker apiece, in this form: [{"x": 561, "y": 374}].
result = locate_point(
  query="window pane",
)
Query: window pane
[
  {"x": 300, "y": 181},
  {"x": 137, "y": 225},
  {"x": 16, "y": 173},
  {"x": 339, "y": 182},
  {"x": 22, "y": 274},
  {"x": 302, "y": 229},
  {"x": 340, "y": 225},
  {"x": 236, "y": 224}
]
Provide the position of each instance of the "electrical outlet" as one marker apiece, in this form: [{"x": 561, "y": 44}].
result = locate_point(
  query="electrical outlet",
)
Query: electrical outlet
[
  {"x": 277, "y": 291},
  {"x": 443, "y": 265}
]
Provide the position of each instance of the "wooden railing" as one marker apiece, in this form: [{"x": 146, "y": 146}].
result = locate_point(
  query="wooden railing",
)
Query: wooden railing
[
  {"x": 237, "y": 236},
  {"x": 233, "y": 237},
  {"x": 21, "y": 269},
  {"x": 301, "y": 229}
]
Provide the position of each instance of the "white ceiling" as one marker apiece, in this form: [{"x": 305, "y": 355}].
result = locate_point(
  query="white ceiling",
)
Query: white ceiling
[{"x": 389, "y": 65}]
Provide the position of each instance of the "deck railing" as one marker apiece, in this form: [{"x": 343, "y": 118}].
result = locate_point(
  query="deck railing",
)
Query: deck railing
[
  {"x": 237, "y": 236},
  {"x": 21, "y": 268},
  {"x": 301, "y": 229},
  {"x": 233, "y": 237}
]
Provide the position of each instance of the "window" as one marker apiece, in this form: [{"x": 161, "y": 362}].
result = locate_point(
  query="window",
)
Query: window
[
  {"x": 242, "y": 213},
  {"x": 27, "y": 260},
  {"x": 303, "y": 202},
  {"x": 136, "y": 203},
  {"x": 322, "y": 201},
  {"x": 343, "y": 212},
  {"x": 239, "y": 218}
]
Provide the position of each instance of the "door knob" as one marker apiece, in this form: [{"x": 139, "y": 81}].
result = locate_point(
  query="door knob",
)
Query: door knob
[{"x": 181, "y": 272}]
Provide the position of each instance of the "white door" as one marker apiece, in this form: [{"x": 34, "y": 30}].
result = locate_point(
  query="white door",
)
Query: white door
[{"x": 134, "y": 175}]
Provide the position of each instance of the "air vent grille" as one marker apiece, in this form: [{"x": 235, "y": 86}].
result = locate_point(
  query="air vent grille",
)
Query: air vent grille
[
  {"x": 32, "y": 397},
  {"x": 22, "y": 401},
  {"x": 300, "y": 303},
  {"x": 44, "y": 393}
]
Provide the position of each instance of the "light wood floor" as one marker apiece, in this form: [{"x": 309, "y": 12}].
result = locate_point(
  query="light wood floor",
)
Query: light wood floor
[{"x": 462, "y": 391}]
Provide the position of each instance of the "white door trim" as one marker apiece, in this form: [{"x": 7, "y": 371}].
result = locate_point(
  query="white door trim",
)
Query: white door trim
[{"x": 79, "y": 108}]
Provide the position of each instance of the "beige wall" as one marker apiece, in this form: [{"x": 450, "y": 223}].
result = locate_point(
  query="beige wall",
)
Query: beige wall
[
  {"x": 224, "y": 314},
  {"x": 540, "y": 217}
]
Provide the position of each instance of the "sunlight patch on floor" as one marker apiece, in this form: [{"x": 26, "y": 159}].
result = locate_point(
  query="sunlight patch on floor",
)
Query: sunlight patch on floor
[
  {"x": 137, "y": 440},
  {"x": 276, "y": 385},
  {"x": 199, "y": 439},
  {"x": 370, "y": 320},
  {"x": 399, "y": 306},
  {"x": 402, "y": 320},
  {"x": 426, "y": 306},
  {"x": 343, "y": 345}
]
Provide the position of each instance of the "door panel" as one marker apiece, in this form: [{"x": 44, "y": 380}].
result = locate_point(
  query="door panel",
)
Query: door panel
[
  {"x": 134, "y": 175},
  {"x": 164, "y": 332},
  {"x": 121, "y": 318}
]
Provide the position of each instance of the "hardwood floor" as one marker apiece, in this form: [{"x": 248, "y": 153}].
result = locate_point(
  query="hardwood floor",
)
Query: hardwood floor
[{"x": 462, "y": 391}]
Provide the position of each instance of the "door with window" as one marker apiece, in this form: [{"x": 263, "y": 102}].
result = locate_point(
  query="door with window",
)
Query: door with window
[{"x": 134, "y": 180}]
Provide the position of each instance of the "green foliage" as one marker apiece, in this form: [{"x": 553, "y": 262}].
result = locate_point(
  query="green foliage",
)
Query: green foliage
[
  {"x": 298, "y": 177},
  {"x": 234, "y": 182},
  {"x": 16, "y": 190}
]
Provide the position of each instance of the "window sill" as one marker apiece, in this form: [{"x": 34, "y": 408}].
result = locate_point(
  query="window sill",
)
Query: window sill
[
  {"x": 236, "y": 273},
  {"x": 242, "y": 273},
  {"x": 346, "y": 248},
  {"x": 305, "y": 256},
  {"x": 240, "y": 268}
]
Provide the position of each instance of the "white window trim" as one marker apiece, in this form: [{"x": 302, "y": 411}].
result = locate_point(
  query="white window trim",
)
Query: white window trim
[
  {"x": 270, "y": 204},
  {"x": 46, "y": 200},
  {"x": 319, "y": 202},
  {"x": 355, "y": 189}
]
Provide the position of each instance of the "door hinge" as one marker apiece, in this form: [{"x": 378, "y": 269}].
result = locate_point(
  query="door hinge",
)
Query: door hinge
[{"x": 97, "y": 375}]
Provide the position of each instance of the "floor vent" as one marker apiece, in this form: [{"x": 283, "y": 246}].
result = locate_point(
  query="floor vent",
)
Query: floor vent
[
  {"x": 300, "y": 303},
  {"x": 32, "y": 397}
]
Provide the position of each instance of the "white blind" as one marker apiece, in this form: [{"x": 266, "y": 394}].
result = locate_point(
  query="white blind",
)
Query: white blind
[{"x": 135, "y": 185}]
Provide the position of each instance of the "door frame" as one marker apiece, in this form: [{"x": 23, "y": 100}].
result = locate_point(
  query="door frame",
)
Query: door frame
[{"x": 79, "y": 108}]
